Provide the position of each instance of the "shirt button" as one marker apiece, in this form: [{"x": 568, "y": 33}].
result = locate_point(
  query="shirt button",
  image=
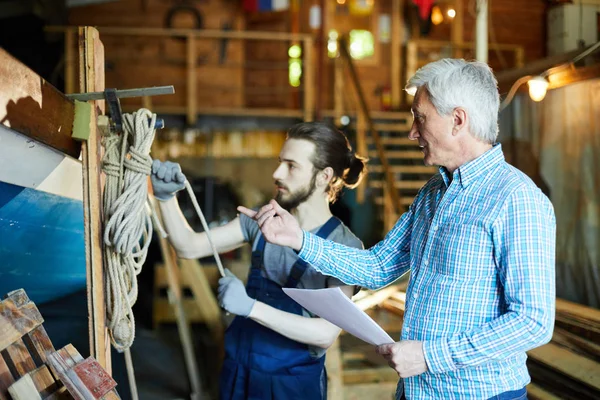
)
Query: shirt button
[
  {"x": 435, "y": 228},
  {"x": 426, "y": 262},
  {"x": 415, "y": 296}
]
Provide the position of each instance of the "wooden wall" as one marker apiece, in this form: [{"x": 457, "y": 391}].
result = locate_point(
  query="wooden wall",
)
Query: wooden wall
[
  {"x": 141, "y": 61},
  {"x": 234, "y": 74}
]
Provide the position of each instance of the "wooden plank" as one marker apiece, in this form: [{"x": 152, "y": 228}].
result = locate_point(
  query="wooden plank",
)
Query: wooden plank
[
  {"x": 39, "y": 344},
  {"x": 396, "y": 141},
  {"x": 369, "y": 375},
  {"x": 18, "y": 358},
  {"x": 175, "y": 299},
  {"x": 44, "y": 381},
  {"x": 361, "y": 148},
  {"x": 573, "y": 365},
  {"x": 570, "y": 76},
  {"x": 91, "y": 79},
  {"x": 400, "y": 184},
  {"x": 191, "y": 80},
  {"x": 163, "y": 311},
  {"x": 405, "y": 154},
  {"x": 33, "y": 107},
  {"x": 377, "y": 297},
  {"x": 576, "y": 343},
  {"x": 6, "y": 379},
  {"x": 62, "y": 361},
  {"x": 535, "y": 392},
  {"x": 210, "y": 271},
  {"x": 396, "y": 52},
  {"x": 334, "y": 366},
  {"x": 406, "y": 169},
  {"x": 194, "y": 276},
  {"x": 309, "y": 80},
  {"x": 24, "y": 389},
  {"x": 457, "y": 28},
  {"x": 90, "y": 379},
  {"x": 197, "y": 33},
  {"x": 18, "y": 316}
]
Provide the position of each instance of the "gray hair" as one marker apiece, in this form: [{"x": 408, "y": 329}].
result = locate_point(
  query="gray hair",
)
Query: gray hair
[{"x": 472, "y": 85}]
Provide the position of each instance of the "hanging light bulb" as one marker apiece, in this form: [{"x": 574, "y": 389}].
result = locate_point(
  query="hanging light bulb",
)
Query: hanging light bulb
[
  {"x": 436, "y": 15},
  {"x": 537, "y": 88},
  {"x": 451, "y": 12}
]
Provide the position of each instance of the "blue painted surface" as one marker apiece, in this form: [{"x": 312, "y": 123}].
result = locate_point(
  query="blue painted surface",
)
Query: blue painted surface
[{"x": 42, "y": 246}]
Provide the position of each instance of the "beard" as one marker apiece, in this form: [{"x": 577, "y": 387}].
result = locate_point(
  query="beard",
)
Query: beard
[{"x": 290, "y": 200}]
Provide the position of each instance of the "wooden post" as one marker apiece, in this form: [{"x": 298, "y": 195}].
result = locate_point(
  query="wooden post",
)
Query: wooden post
[
  {"x": 519, "y": 57},
  {"x": 361, "y": 148},
  {"x": 338, "y": 89},
  {"x": 175, "y": 299},
  {"x": 457, "y": 29},
  {"x": 411, "y": 63},
  {"x": 191, "y": 80},
  {"x": 69, "y": 62},
  {"x": 335, "y": 372},
  {"x": 309, "y": 85},
  {"x": 396, "y": 53},
  {"x": 91, "y": 79}
]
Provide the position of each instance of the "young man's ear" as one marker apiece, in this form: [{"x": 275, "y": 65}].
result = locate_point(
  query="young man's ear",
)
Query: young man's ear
[
  {"x": 459, "y": 117},
  {"x": 325, "y": 176}
]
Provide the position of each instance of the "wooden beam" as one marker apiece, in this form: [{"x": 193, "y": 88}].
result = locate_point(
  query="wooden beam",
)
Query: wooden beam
[
  {"x": 192, "y": 98},
  {"x": 457, "y": 28},
  {"x": 573, "y": 75},
  {"x": 334, "y": 366},
  {"x": 370, "y": 375},
  {"x": 377, "y": 297},
  {"x": 194, "y": 275},
  {"x": 574, "y": 366},
  {"x": 33, "y": 107},
  {"x": 309, "y": 80},
  {"x": 91, "y": 79},
  {"x": 197, "y": 33},
  {"x": 396, "y": 52}
]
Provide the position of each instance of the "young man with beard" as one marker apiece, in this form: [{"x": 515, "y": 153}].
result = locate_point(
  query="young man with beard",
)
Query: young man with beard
[{"x": 274, "y": 348}]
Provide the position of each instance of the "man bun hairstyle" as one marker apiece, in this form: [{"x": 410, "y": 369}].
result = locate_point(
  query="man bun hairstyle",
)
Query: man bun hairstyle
[{"x": 332, "y": 149}]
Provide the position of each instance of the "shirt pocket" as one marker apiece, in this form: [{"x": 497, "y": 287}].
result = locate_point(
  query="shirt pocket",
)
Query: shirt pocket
[{"x": 464, "y": 251}]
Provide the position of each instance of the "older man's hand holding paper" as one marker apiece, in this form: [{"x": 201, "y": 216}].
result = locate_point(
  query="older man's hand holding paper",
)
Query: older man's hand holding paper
[{"x": 406, "y": 357}]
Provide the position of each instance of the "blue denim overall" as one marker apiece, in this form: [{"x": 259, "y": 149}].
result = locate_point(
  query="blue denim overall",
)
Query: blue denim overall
[{"x": 259, "y": 362}]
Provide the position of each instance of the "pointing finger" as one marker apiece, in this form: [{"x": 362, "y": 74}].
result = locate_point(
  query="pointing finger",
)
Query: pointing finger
[{"x": 247, "y": 212}]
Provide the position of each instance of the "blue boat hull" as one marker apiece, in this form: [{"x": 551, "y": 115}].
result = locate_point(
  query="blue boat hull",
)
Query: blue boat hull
[{"x": 42, "y": 247}]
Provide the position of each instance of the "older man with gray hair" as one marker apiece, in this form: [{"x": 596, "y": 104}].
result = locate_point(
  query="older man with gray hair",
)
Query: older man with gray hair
[{"x": 479, "y": 240}]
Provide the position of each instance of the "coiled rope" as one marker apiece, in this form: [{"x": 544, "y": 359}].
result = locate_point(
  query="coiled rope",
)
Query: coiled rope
[{"x": 128, "y": 224}]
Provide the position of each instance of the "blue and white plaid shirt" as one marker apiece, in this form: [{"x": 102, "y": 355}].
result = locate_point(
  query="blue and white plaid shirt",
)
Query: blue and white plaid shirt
[{"x": 480, "y": 245}]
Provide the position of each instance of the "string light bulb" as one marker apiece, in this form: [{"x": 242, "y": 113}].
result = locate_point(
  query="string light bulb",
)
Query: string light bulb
[{"x": 537, "y": 88}]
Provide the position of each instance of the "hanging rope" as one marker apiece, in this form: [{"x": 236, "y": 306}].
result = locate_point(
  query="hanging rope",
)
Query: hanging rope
[
  {"x": 205, "y": 226},
  {"x": 128, "y": 225}
]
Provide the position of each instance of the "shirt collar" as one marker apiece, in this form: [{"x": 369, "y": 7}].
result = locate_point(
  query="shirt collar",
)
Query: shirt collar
[{"x": 471, "y": 171}]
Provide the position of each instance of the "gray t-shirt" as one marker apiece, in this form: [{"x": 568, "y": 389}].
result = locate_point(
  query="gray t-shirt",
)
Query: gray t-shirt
[{"x": 278, "y": 261}]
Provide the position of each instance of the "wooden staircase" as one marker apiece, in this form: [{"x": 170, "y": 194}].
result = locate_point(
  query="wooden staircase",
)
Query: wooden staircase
[{"x": 406, "y": 164}]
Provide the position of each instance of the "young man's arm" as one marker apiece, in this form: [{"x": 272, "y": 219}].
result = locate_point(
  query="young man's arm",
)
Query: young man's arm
[
  {"x": 191, "y": 244},
  {"x": 167, "y": 179},
  {"x": 312, "y": 331}
]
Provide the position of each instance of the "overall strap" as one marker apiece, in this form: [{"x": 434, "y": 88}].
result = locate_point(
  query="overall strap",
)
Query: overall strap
[
  {"x": 257, "y": 254},
  {"x": 300, "y": 266}
]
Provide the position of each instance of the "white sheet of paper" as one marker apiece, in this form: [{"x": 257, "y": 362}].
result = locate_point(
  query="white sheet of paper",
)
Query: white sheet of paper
[{"x": 334, "y": 306}]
